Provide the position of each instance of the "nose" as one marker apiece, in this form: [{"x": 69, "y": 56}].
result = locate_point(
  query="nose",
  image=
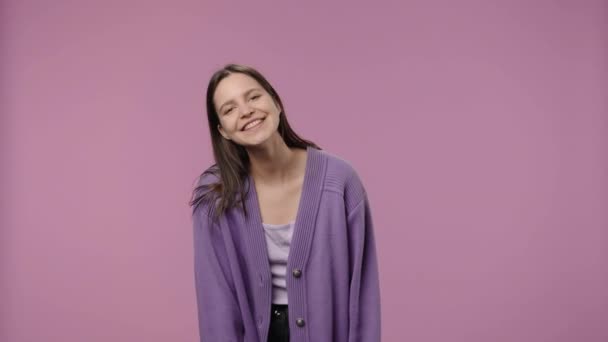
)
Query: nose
[{"x": 245, "y": 109}]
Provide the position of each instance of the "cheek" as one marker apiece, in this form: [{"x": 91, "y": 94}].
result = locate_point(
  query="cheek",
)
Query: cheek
[
  {"x": 269, "y": 105},
  {"x": 228, "y": 125}
]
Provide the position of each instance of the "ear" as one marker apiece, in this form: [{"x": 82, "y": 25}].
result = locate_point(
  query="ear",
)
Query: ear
[
  {"x": 276, "y": 104},
  {"x": 222, "y": 132}
]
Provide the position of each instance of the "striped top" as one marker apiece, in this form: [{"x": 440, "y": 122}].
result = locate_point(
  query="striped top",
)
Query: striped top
[{"x": 278, "y": 239}]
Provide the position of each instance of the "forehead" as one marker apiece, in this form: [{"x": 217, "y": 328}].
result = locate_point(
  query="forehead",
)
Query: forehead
[{"x": 233, "y": 86}]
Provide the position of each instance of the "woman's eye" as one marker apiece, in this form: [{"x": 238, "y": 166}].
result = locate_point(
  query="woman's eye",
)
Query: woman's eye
[
  {"x": 255, "y": 97},
  {"x": 228, "y": 111}
]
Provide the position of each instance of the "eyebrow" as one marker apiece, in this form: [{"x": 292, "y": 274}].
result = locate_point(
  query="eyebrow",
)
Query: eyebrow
[{"x": 230, "y": 101}]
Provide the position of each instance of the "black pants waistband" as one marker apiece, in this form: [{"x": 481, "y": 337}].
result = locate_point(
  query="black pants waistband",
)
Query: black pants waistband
[{"x": 279, "y": 323}]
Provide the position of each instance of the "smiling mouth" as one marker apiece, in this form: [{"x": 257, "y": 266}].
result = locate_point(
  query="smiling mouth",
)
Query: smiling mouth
[{"x": 248, "y": 127}]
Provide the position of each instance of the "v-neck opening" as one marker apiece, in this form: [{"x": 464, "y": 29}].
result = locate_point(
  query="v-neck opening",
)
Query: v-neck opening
[
  {"x": 256, "y": 200},
  {"x": 302, "y": 235}
]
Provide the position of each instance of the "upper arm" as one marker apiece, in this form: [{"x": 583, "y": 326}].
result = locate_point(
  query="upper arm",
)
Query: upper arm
[{"x": 218, "y": 310}]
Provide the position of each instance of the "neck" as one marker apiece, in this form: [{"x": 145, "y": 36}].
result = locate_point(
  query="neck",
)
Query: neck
[{"x": 274, "y": 163}]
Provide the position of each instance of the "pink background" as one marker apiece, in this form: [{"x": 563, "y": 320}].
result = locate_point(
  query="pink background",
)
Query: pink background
[{"x": 480, "y": 130}]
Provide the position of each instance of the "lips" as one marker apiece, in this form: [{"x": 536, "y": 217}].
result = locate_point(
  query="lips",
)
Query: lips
[{"x": 250, "y": 121}]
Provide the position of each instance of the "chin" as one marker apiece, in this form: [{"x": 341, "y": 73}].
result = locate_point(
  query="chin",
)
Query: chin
[
  {"x": 254, "y": 141},
  {"x": 259, "y": 140}
]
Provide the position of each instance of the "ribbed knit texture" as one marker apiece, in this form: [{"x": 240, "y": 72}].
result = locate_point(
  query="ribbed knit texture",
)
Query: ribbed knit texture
[{"x": 337, "y": 294}]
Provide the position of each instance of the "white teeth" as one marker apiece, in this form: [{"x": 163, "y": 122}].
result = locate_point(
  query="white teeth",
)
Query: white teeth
[{"x": 252, "y": 124}]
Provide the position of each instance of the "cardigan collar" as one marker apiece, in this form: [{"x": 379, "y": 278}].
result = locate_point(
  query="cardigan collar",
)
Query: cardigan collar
[{"x": 316, "y": 165}]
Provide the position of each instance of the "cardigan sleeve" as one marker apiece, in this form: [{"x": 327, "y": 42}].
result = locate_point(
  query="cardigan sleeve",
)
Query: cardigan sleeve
[
  {"x": 219, "y": 316},
  {"x": 364, "y": 296}
]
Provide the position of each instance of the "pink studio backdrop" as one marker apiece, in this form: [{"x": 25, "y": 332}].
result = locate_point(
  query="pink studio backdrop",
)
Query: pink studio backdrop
[{"x": 480, "y": 130}]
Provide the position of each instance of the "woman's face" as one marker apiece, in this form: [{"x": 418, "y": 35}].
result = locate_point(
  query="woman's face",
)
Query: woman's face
[{"x": 239, "y": 99}]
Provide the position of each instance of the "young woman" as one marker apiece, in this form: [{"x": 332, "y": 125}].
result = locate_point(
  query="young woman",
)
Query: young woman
[{"x": 283, "y": 237}]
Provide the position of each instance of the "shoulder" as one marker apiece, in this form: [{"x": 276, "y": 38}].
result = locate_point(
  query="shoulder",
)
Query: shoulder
[
  {"x": 341, "y": 176},
  {"x": 210, "y": 176},
  {"x": 204, "y": 188}
]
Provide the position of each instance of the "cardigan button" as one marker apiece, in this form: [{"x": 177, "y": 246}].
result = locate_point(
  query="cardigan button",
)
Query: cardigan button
[
  {"x": 300, "y": 322},
  {"x": 297, "y": 273}
]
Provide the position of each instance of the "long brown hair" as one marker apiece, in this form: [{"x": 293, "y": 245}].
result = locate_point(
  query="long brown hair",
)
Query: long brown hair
[{"x": 231, "y": 160}]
